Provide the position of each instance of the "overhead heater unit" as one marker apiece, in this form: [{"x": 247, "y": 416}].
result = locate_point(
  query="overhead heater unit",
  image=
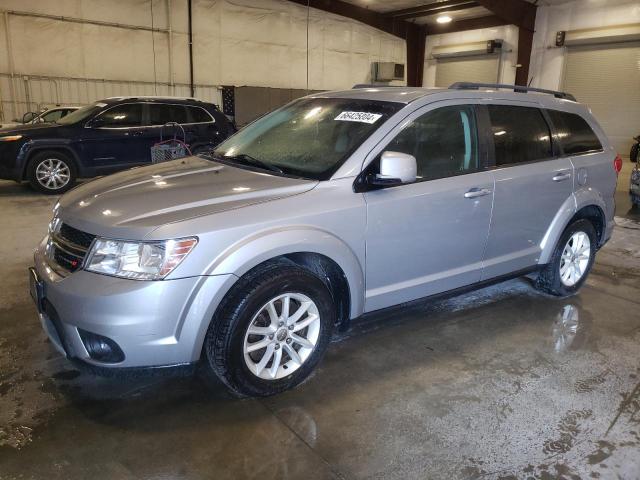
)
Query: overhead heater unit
[
  {"x": 467, "y": 49},
  {"x": 387, "y": 71}
]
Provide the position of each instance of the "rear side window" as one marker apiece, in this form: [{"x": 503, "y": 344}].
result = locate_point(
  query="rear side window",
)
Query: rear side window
[
  {"x": 574, "y": 133},
  {"x": 198, "y": 115},
  {"x": 126, "y": 115},
  {"x": 520, "y": 134},
  {"x": 160, "y": 113},
  {"x": 444, "y": 142}
]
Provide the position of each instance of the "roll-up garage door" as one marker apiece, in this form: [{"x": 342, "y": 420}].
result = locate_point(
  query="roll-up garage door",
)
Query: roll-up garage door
[
  {"x": 607, "y": 79},
  {"x": 481, "y": 68}
]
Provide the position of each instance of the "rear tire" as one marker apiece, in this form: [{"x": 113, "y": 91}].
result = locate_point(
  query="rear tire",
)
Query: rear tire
[
  {"x": 571, "y": 261},
  {"x": 51, "y": 172},
  {"x": 253, "y": 315}
]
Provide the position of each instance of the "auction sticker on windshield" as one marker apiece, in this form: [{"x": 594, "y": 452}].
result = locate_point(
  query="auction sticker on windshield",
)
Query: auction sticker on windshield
[{"x": 364, "y": 117}]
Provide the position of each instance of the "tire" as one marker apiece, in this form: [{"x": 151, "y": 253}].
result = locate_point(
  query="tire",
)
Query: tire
[
  {"x": 633, "y": 154},
  {"x": 246, "y": 305},
  {"x": 551, "y": 279},
  {"x": 61, "y": 168}
]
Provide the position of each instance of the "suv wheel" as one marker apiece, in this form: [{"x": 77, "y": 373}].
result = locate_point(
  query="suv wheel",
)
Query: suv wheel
[
  {"x": 571, "y": 261},
  {"x": 271, "y": 330},
  {"x": 51, "y": 172}
]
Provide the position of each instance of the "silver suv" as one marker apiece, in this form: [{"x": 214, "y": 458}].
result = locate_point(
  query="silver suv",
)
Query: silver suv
[{"x": 336, "y": 205}]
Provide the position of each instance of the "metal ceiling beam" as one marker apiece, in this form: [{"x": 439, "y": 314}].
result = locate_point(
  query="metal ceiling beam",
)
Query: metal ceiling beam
[
  {"x": 432, "y": 9},
  {"x": 523, "y": 15},
  {"x": 467, "y": 24}
]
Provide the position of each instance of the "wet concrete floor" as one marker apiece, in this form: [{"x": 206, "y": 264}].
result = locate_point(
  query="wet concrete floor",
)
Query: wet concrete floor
[{"x": 501, "y": 383}]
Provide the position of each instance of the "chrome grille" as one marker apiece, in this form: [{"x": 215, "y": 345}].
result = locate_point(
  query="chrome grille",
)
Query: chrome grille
[{"x": 67, "y": 247}]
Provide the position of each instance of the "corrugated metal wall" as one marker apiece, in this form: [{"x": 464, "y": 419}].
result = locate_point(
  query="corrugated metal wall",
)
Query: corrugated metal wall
[{"x": 78, "y": 51}]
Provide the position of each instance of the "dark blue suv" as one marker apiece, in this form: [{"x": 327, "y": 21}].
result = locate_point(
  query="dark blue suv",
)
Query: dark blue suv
[{"x": 104, "y": 137}]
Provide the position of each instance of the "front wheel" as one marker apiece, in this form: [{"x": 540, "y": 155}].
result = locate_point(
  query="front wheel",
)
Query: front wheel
[
  {"x": 51, "y": 172},
  {"x": 571, "y": 261},
  {"x": 271, "y": 331}
]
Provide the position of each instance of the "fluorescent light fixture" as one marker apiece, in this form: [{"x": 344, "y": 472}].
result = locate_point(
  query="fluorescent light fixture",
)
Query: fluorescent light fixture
[{"x": 443, "y": 19}]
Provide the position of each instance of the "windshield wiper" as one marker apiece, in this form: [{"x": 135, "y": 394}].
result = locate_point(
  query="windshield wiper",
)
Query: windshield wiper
[{"x": 249, "y": 160}]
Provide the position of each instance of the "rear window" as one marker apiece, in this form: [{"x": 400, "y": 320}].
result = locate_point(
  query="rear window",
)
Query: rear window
[
  {"x": 198, "y": 115},
  {"x": 520, "y": 134},
  {"x": 574, "y": 133},
  {"x": 162, "y": 113}
]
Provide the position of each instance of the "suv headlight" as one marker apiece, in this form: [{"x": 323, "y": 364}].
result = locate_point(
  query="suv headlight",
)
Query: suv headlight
[{"x": 138, "y": 260}]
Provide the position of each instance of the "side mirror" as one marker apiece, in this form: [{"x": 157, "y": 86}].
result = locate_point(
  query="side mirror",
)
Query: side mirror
[
  {"x": 28, "y": 117},
  {"x": 396, "y": 168}
]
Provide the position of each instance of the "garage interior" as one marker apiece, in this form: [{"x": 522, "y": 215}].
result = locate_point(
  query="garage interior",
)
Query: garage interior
[{"x": 500, "y": 383}]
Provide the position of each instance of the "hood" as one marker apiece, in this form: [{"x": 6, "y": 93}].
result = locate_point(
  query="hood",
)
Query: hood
[
  {"x": 29, "y": 128},
  {"x": 133, "y": 203}
]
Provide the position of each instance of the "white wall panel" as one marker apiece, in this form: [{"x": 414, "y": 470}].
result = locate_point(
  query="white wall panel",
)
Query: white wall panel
[
  {"x": 548, "y": 61},
  {"x": 508, "y": 54},
  {"x": 236, "y": 42}
]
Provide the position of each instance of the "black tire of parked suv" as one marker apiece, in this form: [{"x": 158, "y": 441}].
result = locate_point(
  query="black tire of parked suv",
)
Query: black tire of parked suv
[
  {"x": 223, "y": 345},
  {"x": 548, "y": 279},
  {"x": 55, "y": 156}
]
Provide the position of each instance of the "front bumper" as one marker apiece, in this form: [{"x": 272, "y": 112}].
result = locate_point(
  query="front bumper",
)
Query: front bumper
[{"x": 155, "y": 323}]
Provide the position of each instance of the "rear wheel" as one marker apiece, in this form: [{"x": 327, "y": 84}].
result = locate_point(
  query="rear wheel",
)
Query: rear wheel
[
  {"x": 271, "y": 331},
  {"x": 51, "y": 172},
  {"x": 571, "y": 261}
]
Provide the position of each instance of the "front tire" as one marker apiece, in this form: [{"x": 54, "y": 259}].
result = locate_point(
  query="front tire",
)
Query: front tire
[
  {"x": 571, "y": 261},
  {"x": 271, "y": 331},
  {"x": 51, "y": 172}
]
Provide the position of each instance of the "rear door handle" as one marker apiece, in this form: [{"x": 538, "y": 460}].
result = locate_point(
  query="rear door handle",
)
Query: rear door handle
[
  {"x": 561, "y": 176},
  {"x": 477, "y": 192}
]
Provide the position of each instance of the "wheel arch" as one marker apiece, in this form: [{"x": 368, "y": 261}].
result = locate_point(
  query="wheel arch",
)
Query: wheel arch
[
  {"x": 586, "y": 204},
  {"x": 61, "y": 148},
  {"x": 317, "y": 250}
]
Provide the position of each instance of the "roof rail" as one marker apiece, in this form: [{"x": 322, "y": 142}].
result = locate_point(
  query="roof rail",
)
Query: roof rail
[
  {"x": 515, "y": 88},
  {"x": 372, "y": 85}
]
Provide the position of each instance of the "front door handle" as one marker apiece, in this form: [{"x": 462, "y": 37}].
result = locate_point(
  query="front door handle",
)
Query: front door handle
[
  {"x": 477, "y": 192},
  {"x": 559, "y": 176}
]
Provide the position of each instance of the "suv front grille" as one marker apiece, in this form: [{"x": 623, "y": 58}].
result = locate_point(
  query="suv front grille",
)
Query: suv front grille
[{"x": 68, "y": 246}]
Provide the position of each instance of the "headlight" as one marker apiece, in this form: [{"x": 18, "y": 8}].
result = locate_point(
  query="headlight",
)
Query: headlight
[
  {"x": 10, "y": 138},
  {"x": 138, "y": 260}
]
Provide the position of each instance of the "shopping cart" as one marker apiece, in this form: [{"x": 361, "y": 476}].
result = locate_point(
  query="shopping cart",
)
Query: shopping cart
[{"x": 172, "y": 148}]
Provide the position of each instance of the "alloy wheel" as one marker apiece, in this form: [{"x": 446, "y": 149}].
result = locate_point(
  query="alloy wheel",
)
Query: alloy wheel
[
  {"x": 575, "y": 258},
  {"x": 53, "y": 173},
  {"x": 281, "y": 336}
]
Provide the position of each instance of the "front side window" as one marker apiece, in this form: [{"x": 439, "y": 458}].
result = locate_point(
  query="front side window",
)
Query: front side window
[
  {"x": 127, "y": 115},
  {"x": 574, "y": 133},
  {"x": 443, "y": 141},
  {"x": 520, "y": 134},
  {"x": 161, "y": 114},
  {"x": 310, "y": 138}
]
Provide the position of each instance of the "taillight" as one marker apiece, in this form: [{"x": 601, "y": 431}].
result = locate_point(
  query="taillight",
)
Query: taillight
[{"x": 617, "y": 164}]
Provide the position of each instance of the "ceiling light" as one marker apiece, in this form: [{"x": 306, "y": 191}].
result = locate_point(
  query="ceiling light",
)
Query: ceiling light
[{"x": 443, "y": 19}]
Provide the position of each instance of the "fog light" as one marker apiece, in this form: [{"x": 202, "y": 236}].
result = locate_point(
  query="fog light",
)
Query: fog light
[{"x": 101, "y": 348}]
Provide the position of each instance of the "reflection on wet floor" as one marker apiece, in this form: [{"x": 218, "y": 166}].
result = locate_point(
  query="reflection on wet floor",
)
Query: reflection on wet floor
[{"x": 503, "y": 382}]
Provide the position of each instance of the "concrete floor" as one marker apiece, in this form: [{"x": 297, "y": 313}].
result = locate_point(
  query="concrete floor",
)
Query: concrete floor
[{"x": 502, "y": 383}]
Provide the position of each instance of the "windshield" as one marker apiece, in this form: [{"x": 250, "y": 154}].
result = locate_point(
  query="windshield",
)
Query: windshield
[
  {"x": 309, "y": 138},
  {"x": 81, "y": 114}
]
